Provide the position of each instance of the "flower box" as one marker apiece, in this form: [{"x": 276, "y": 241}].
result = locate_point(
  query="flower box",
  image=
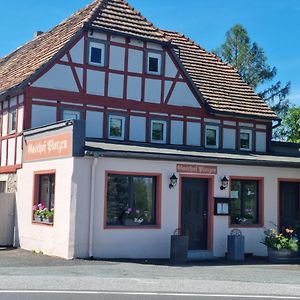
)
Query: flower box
[{"x": 130, "y": 222}]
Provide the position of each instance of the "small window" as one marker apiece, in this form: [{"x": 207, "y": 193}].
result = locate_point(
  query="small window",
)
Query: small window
[
  {"x": 245, "y": 140},
  {"x": 245, "y": 202},
  {"x": 97, "y": 54},
  {"x": 154, "y": 63},
  {"x": 43, "y": 208},
  {"x": 69, "y": 114},
  {"x": 158, "y": 131},
  {"x": 131, "y": 200},
  {"x": 116, "y": 127},
  {"x": 12, "y": 120},
  {"x": 211, "y": 136}
]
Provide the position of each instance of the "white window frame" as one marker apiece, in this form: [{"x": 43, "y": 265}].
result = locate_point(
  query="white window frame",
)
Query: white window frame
[
  {"x": 213, "y": 127},
  {"x": 164, "y": 131},
  {"x": 71, "y": 111},
  {"x": 159, "y": 57},
  {"x": 97, "y": 45},
  {"x": 10, "y": 130},
  {"x": 123, "y": 127},
  {"x": 250, "y": 132}
]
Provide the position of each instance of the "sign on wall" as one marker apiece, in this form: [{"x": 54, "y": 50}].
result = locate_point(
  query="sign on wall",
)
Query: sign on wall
[
  {"x": 55, "y": 146},
  {"x": 197, "y": 169}
]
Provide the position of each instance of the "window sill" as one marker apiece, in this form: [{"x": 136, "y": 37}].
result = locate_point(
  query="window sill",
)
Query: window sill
[
  {"x": 42, "y": 223},
  {"x": 122, "y": 227}
]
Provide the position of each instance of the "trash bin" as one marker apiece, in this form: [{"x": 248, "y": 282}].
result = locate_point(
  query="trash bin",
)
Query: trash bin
[
  {"x": 179, "y": 247},
  {"x": 236, "y": 246}
]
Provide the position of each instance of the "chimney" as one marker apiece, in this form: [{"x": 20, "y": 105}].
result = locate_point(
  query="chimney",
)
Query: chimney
[{"x": 38, "y": 33}]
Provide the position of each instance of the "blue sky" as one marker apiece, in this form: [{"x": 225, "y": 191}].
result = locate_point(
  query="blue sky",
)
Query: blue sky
[{"x": 273, "y": 24}]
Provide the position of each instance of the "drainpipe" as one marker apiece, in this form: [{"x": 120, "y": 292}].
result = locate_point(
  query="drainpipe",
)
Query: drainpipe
[{"x": 92, "y": 206}]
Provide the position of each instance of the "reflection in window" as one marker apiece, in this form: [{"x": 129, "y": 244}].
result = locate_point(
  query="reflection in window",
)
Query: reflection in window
[
  {"x": 158, "y": 131},
  {"x": 244, "y": 202},
  {"x": 131, "y": 198},
  {"x": 245, "y": 139},
  {"x": 211, "y": 136},
  {"x": 116, "y": 128}
]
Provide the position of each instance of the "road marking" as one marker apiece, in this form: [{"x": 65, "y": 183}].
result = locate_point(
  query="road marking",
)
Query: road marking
[{"x": 147, "y": 294}]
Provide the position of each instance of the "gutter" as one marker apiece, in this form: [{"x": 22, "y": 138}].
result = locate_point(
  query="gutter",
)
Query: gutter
[{"x": 278, "y": 124}]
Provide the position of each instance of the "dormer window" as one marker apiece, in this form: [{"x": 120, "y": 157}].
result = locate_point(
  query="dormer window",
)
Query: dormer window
[
  {"x": 245, "y": 140},
  {"x": 158, "y": 131},
  {"x": 97, "y": 54},
  {"x": 154, "y": 63},
  {"x": 116, "y": 127},
  {"x": 211, "y": 136}
]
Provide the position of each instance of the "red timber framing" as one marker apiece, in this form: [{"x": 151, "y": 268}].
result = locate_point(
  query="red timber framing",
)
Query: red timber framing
[{"x": 162, "y": 110}]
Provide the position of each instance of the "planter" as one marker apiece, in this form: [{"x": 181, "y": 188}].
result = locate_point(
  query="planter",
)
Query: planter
[
  {"x": 281, "y": 256},
  {"x": 130, "y": 222},
  {"x": 179, "y": 248},
  {"x": 37, "y": 219},
  {"x": 48, "y": 220}
]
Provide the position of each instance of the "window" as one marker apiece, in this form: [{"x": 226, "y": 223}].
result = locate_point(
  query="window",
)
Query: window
[
  {"x": 211, "y": 136},
  {"x": 69, "y": 114},
  {"x": 44, "y": 194},
  {"x": 131, "y": 200},
  {"x": 158, "y": 131},
  {"x": 245, "y": 202},
  {"x": 97, "y": 54},
  {"x": 116, "y": 127},
  {"x": 154, "y": 63},
  {"x": 12, "y": 120},
  {"x": 245, "y": 140}
]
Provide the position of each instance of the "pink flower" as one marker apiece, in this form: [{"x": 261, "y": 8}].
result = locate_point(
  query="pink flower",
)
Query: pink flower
[
  {"x": 137, "y": 211},
  {"x": 34, "y": 208},
  {"x": 41, "y": 206}
]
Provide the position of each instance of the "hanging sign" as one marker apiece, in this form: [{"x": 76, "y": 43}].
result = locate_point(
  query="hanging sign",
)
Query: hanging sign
[{"x": 197, "y": 169}]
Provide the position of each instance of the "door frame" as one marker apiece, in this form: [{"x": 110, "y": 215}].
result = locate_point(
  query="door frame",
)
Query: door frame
[
  {"x": 278, "y": 194},
  {"x": 210, "y": 204}
]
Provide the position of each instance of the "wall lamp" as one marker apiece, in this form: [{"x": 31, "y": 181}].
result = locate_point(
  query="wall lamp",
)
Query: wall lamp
[
  {"x": 224, "y": 182},
  {"x": 173, "y": 181}
]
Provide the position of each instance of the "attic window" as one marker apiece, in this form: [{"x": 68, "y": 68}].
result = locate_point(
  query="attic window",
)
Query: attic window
[
  {"x": 245, "y": 140},
  {"x": 154, "y": 63},
  {"x": 97, "y": 54}
]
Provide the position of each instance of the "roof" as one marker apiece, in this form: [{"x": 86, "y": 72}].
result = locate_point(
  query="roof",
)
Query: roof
[
  {"x": 219, "y": 85},
  {"x": 185, "y": 155}
]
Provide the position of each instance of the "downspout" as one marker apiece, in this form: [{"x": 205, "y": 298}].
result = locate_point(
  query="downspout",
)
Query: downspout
[{"x": 92, "y": 206}]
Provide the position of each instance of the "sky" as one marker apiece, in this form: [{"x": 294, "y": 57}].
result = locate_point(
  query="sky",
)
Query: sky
[{"x": 273, "y": 24}]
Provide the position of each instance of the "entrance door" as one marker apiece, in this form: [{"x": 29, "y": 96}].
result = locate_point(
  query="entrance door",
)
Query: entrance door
[
  {"x": 194, "y": 204},
  {"x": 289, "y": 205}
]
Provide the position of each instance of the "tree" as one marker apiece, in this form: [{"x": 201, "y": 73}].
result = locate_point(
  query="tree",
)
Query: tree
[
  {"x": 251, "y": 62},
  {"x": 290, "y": 128}
]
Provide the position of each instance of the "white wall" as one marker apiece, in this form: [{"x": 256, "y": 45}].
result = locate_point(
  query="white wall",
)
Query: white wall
[
  {"x": 117, "y": 58},
  {"x": 135, "y": 61},
  {"x": 3, "y": 153},
  {"x": 171, "y": 69},
  {"x": 229, "y": 137},
  {"x": 182, "y": 96},
  {"x": 94, "y": 124},
  {"x": 193, "y": 134},
  {"x": 134, "y": 88},
  {"x": 77, "y": 52},
  {"x": 53, "y": 240},
  {"x": 11, "y": 152},
  {"x": 261, "y": 141},
  {"x": 42, "y": 115},
  {"x": 137, "y": 130},
  {"x": 176, "y": 132},
  {"x": 152, "y": 90},
  {"x": 95, "y": 82},
  {"x": 115, "y": 85}
]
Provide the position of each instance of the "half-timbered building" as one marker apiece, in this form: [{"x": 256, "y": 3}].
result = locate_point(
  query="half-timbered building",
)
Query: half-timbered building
[{"x": 147, "y": 104}]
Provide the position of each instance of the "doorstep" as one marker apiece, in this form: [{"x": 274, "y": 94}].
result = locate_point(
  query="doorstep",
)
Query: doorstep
[{"x": 201, "y": 255}]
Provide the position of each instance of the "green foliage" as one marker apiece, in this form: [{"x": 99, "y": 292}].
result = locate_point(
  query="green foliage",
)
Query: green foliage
[
  {"x": 290, "y": 128},
  {"x": 251, "y": 62}
]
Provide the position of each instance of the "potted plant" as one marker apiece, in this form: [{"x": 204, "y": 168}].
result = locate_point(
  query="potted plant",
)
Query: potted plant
[
  {"x": 48, "y": 215},
  {"x": 133, "y": 217},
  {"x": 281, "y": 246},
  {"x": 38, "y": 212}
]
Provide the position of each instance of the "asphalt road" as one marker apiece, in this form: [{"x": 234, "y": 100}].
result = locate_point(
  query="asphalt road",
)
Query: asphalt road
[{"x": 36, "y": 295}]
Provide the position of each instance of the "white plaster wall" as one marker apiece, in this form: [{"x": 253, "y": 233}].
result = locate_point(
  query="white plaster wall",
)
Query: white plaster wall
[
  {"x": 155, "y": 243},
  {"x": 59, "y": 77},
  {"x": 115, "y": 85},
  {"x": 42, "y": 115},
  {"x": 152, "y": 90},
  {"x": 118, "y": 39},
  {"x": 3, "y": 153},
  {"x": 11, "y": 152},
  {"x": 135, "y": 61},
  {"x": 77, "y": 52},
  {"x": 98, "y": 35},
  {"x": 20, "y": 119},
  {"x": 4, "y": 123},
  {"x": 117, "y": 58},
  {"x": 183, "y": 96},
  {"x": 94, "y": 124},
  {"x": 229, "y": 138},
  {"x": 176, "y": 132},
  {"x": 137, "y": 130},
  {"x": 134, "y": 88},
  {"x": 193, "y": 134},
  {"x": 56, "y": 240},
  {"x": 171, "y": 69},
  {"x": 95, "y": 82},
  {"x": 19, "y": 150},
  {"x": 261, "y": 141},
  {"x": 154, "y": 46}
]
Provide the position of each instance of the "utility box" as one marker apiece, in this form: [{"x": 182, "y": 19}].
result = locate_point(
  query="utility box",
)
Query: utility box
[
  {"x": 236, "y": 247},
  {"x": 179, "y": 248}
]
